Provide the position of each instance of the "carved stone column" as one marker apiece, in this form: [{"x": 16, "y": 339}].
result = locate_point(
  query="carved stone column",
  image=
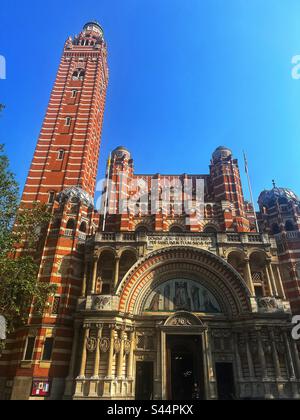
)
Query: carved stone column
[
  {"x": 275, "y": 356},
  {"x": 252, "y": 378},
  {"x": 111, "y": 353},
  {"x": 97, "y": 355},
  {"x": 94, "y": 383},
  {"x": 69, "y": 389},
  {"x": 296, "y": 357},
  {"x": 84, "y": 282},
  {"x": 272, "y": 292},
  {"x": 95, "y": 271},
  {"x": 249, "y": 359},
  {"x": 289, "y": 356},
  {"x": 248, "y": 276},
  {"x": 238, "y": 358},
  {"x": 84, "y": 351},
  {"x": 290, "y": 365},
  {"x": 80, "y": 381},
  {"x": 281, "y": 288},
  {"x": 131, "y": 355},
  {"x": 261, "y": 355},
  {"x": 272, "y": 277},
  {"x": 120, "y": 374},
  {"x": 117, "y": 271}
]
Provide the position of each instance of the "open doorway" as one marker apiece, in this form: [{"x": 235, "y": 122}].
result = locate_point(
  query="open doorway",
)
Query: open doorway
[
  {"x": 225, "y": 381},
  {"x": 144, "y": 381},
  {"x": 185, "y": 368}
]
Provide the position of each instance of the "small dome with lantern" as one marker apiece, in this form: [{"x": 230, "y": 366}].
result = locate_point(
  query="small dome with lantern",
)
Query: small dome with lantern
[
  {"x": 222, "y": 153},
  {"x": 269, "y": 198},
  {"x": 121, "y": 152}
]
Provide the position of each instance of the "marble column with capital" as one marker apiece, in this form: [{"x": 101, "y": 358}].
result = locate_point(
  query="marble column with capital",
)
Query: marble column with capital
[
  {"x": 280, "y": 283},
  {"x": 95, "y": 272},
  {"x": 84, "y": 352},
  {"x": 272, "y": 278},
  {"x": 111, "y": 353},
  {"x": 84, "y": 282},
  {"x": 69, "y": 388},
  {"x": 80, "y": 380},
  {"x": 131, "y": 355},
  {"x": 276, "y": 360},
  {"x": 117, "y": 272},
  {"x": 120, "y": 366},
  {"x": 248, "y": 276},
  {"x": 270, "y": 286},
  {"x": 97, "y": 355},
  {"x": 261, "y": 355}
]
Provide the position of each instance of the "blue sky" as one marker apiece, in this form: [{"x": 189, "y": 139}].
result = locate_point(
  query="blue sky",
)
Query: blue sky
[{"x": 185, "y": 77}]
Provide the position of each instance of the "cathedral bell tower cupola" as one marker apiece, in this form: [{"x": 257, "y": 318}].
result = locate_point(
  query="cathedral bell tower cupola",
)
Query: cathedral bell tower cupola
[
  {"x": 94, "y": 26},
  {"x": 92, "y": 35}
]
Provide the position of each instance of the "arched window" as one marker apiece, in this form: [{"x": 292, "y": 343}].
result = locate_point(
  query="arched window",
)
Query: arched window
[
  {"x": 210, "y": 229},
  {"x": 75, "y": 75},
  {"x": 71, "y": 224},
  {"x": 142, "y": 229},
  {"x": 83, "y": 227},
  {"x": 289, "y": 226},
  {"x": 68, "y": 121},
  {"x": 74, "y": 93},
  {"x": 275, "y": 229},
  {"x": 176, "y": 229},
  {"x": 78, "y": 74},
  {"x": 61, "y": 154},
  {"x": 51, "y": 197}
]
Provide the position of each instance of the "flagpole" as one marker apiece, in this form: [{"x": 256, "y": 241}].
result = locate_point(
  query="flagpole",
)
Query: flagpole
[
  {"x": 250, "y": 190},
  {"x": 106, "y": 194}
]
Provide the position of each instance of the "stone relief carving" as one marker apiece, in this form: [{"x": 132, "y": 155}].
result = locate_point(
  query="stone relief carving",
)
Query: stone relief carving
[
  {"x": 127, "y": 347},
  {"x": 91, "y": 344},
  {"x": 117, "y": 345},
  {"x": 101, "y": 303},
  {"x": 180, "y": 322},
  {"x": 270, "y": 304},
  {"x": 104, "y": 345}
]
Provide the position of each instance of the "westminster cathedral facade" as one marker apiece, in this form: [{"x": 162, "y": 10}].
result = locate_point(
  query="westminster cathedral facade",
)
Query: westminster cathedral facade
[{"x": 176, "y": 290}]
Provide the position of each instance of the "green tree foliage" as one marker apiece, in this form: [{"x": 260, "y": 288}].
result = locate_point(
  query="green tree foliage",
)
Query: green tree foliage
[{"x": 19, "y": 287}]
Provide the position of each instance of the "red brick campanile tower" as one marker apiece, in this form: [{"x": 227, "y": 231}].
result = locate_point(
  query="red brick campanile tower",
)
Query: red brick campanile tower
[
  {"x": 68, "y": 148},
  {"x": 63, "y": 173}
]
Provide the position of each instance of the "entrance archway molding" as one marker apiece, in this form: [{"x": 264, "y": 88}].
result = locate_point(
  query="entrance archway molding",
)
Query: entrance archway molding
[{"x": 220, "y": 277}]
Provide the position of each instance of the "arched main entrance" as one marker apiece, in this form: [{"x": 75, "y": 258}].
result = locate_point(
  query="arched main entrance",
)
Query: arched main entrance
[{"x": 179, "y": 297}]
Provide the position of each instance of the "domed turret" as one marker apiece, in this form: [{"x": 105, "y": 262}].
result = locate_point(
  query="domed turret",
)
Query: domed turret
[
  {"x": 121, "y": 152},
  {"x": 269, "y": 198},
  {"x": 221, "y": 153},
  {"x": 93, "y": 26}
]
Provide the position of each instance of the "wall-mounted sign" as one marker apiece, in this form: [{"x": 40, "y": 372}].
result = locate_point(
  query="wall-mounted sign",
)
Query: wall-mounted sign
[
  {"x": 2, "y": 328},
  {"x": 40, "y": 388}
]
